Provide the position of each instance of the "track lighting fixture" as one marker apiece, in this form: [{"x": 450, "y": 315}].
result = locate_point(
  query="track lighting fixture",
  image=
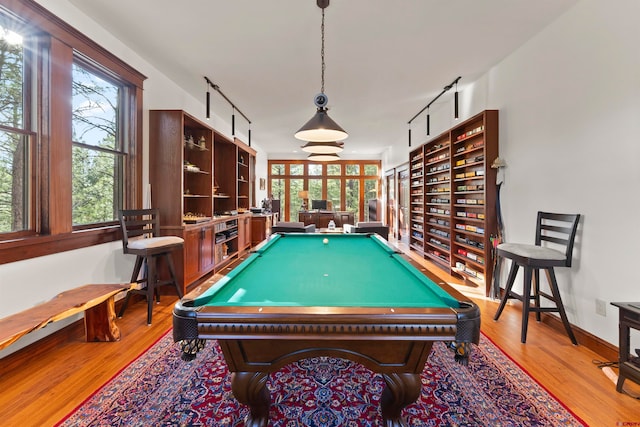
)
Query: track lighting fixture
[
  {"x": 208, "y": 102},
  {"x": 426, "y": 107},
  {"x": 455, "y": 102},
  {"x": 215, "y": 87}
]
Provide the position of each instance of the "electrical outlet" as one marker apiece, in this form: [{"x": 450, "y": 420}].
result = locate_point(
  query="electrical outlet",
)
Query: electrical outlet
[{"x": 601, "y": 307}]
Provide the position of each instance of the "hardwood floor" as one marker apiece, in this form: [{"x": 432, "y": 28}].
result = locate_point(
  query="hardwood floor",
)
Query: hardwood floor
[{"x": 42, "y": 383}]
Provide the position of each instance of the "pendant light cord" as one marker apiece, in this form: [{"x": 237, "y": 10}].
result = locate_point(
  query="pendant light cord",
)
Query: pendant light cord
[{"x": 322, "y": 53}]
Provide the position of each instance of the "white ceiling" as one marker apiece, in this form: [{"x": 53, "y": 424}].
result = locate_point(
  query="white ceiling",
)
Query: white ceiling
[{"x": 385, "y": 59}]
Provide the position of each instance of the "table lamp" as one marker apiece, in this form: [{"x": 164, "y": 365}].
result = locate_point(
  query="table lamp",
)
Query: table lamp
[{"x": 304, "y": 195}]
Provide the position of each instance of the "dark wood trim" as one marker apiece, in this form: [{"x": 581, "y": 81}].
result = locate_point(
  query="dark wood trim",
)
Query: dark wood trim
[
  {"x": 33, "y": 247},
  {"x": 51, "y": 229},
  {"x": 592, "y": 342},
  {"x": 38, "y": 16},
  {"x": 59, "y": 188}
]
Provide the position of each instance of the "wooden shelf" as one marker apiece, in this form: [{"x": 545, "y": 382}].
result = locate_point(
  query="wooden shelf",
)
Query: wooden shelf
[
  {"x": 461, "y": 156},
  {"x": 190, "y": 157}
]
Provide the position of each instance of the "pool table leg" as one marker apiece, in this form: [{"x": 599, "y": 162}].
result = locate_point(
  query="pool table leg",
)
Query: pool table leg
[
  {"x": 250, "y": 388},
  {"x": 401, "y": 390}
]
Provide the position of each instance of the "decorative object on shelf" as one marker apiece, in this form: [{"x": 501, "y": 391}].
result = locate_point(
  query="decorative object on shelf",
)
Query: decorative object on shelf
[
  {"x": 202, "y": 143},
  {"x": 321, "y": 128},
  {"x": 455, "y": 106},
  {"x": 234, "y": 108}
]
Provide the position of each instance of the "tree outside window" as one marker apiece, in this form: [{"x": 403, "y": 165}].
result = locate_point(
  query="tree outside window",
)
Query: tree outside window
[
  {"x": 15, "y": 140},
  {"x": 98, "y": 156}
]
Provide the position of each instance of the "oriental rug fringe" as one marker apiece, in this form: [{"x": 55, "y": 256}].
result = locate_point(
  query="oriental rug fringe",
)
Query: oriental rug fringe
[{"x": 159, "y": 389}]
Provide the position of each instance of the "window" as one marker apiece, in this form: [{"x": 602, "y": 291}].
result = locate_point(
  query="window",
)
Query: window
[
  {"x": 334, "y": 169},
  {"x": 350, "y": 185},
  {"x": 70, "y": 136},
  {"x": 315, "y": 169},
  {"x": 98, "y": 155},
  {"x": 15, "y": 139},
  {"x": 277, "y": 169}
]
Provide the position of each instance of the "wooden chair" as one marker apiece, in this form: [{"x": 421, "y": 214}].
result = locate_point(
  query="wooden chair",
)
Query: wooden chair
[
  {"x": 141, "y": 237},
  {"x": 558, "y": 231}
]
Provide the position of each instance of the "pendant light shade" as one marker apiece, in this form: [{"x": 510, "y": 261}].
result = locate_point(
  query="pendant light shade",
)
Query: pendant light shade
[
  {"x": 331, "y": 147},
  {"x": 319, "y": 157},
  {"x": 321, "y": 128}
]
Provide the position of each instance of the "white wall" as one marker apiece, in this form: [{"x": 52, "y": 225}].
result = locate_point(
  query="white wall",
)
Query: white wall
[{"x": 569, "y": 102}]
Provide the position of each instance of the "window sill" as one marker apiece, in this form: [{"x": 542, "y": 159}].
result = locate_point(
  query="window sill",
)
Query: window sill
[{"x": 37, "y": 246}]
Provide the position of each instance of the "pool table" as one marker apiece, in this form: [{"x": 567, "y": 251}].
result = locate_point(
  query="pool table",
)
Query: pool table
[{"x": 303, "y": 295}]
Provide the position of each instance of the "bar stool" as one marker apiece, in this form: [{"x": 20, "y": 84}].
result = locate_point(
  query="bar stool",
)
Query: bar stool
[
  {"x": 560, "y": 231},
  {"x": 145, "y": 223}
]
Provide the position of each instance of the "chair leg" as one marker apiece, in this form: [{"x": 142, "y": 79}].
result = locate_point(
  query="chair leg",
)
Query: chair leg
[
  {"x": 526, "y": 303},
  {"x": 174, "y": 277},
  {"x": 151, "y": 286},
  {"x": 507, "y": 290},
  {"x": 536, "y": 292},
  {"x": 136, "y": 269},
  {"x": 555, "y": 291},
  {"x": 134, "y": 279}
]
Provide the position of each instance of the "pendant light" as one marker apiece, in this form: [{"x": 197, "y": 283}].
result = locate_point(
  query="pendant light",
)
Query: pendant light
[
  {"x": 323, "y": 157},
  {"x": 330, "y": 147},
  {"x": 321, "y": 128}
]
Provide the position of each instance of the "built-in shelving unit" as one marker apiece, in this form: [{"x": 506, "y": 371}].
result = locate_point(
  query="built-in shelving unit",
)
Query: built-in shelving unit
[
  {"x": 201, "y": 182},
  {"x": 453, "y": 196}
]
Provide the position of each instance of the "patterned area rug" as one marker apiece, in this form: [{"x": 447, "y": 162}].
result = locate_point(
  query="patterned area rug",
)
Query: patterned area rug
[{"x": 159, "y": 389}]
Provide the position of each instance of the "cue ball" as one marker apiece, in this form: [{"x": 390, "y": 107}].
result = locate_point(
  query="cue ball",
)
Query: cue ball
[{"x": 325, "y": 241}]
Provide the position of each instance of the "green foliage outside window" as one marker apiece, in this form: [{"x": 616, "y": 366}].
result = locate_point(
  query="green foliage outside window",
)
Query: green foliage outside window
[
  {"x": 14, "y": 141},
  {"x": 97, "y": 169}
]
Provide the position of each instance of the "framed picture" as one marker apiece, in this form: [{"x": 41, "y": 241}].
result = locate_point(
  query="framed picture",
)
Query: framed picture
[{"x": 263, "y": 183}]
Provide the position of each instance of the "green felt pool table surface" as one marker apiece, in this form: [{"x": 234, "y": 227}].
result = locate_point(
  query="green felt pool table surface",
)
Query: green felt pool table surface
[
  {"x": 354, "y": 297},
  {"x": 349, "y": 270}
]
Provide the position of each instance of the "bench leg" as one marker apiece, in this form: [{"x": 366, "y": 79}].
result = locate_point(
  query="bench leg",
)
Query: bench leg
[{"x": 99, "y": 322}]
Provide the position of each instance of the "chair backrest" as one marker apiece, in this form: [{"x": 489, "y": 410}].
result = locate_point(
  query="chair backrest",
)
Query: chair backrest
[
  {"x": 345, "y": 217},
  {"x": 138, "y": 222},
  {"x": 558, "y": 229}
]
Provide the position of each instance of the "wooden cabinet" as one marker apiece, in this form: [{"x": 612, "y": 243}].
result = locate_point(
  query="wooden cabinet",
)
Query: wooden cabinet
[
  {"x": 244, "y": 232},
  {"x": 260, "y": 228},
  {"x": 199, "y": 180},
  {"x": 244, "y": 178},
  {"x": 453, "y": 197}
]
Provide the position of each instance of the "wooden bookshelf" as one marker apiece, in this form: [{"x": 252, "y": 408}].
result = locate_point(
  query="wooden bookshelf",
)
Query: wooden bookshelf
[{"x": 453, "y": 196}]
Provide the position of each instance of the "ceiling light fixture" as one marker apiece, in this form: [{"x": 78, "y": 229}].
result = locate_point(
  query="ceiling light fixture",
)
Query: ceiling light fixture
[
  {"x": 331, "y": 147},
  {"x": 426, "y": 107},
  {"x": 215, "y": 87},
  {"x": 321, "y": 128},
  {"x": 455, "y": 102},
  {"x": 323, "y": 157}
]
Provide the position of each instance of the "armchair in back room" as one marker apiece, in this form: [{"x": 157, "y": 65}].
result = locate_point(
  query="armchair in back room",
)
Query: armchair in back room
[{"x": 368, "y": 227}]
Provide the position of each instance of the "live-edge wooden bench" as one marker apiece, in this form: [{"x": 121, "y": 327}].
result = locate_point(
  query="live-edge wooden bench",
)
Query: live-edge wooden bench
[{"x": 97, "y": 302}]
